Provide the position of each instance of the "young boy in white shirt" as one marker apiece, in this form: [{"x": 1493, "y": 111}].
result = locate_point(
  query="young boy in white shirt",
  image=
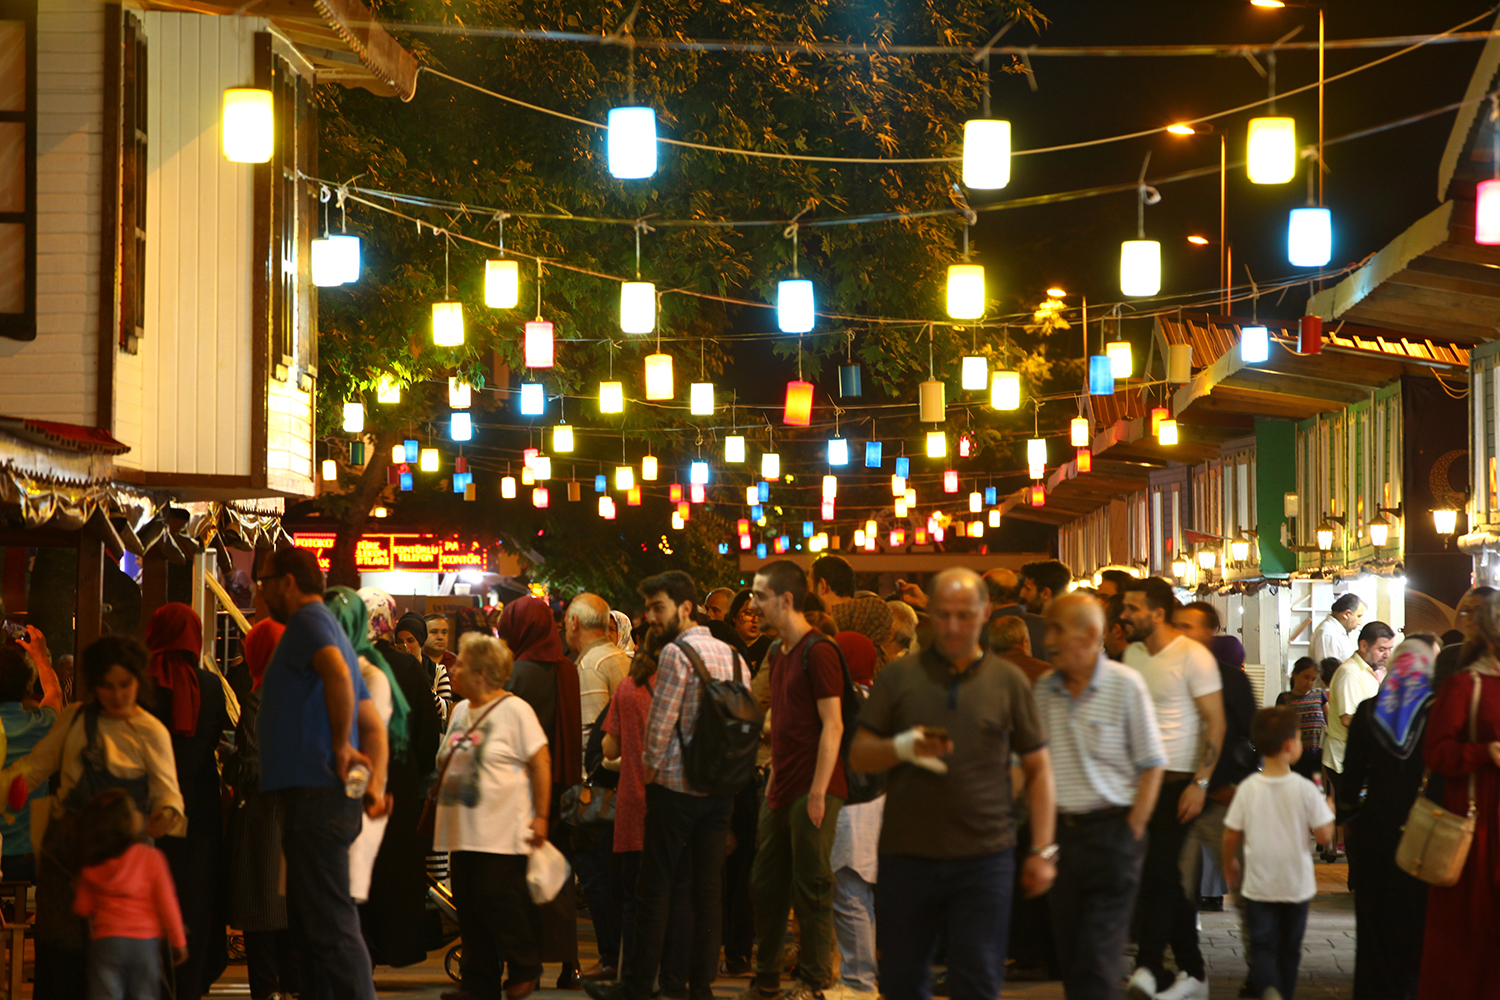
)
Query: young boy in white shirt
[{"x": 1272, "y": 814}]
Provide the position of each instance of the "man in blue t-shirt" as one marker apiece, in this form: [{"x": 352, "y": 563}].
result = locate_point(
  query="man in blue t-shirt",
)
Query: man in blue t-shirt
[{"x": 315, "y": 719}]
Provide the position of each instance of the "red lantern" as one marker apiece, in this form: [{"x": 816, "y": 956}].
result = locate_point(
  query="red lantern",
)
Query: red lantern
[
  {"x": 674, "y": 493},
  {"x": 799, "y": 401},
  {"x": 1310, "y": 335},
  {"x": 685, "y": 511},
  {"x": 1085, "y": 460},
  {"x": 540, "y": 497},
  {"x": 1158, "y": 414},
  {"x": 742, "y": 526},
  {"x": 745, "y": 542},
  {"x": 1038, "y": 495}
]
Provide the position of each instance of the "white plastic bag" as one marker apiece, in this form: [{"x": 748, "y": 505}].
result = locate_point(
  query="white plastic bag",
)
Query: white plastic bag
[{"x": 546, "y": 872}]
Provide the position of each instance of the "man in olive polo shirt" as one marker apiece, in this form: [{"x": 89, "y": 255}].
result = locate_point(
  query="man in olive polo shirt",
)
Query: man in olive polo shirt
[{"x": 944, "y": 722}]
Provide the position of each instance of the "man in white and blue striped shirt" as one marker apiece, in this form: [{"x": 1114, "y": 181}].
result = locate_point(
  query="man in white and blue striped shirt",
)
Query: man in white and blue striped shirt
[{"x": 1107, "y": 762}]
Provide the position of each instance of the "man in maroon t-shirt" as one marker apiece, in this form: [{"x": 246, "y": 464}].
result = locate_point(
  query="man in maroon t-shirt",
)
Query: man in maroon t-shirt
[{"x": 800, "y": 813}]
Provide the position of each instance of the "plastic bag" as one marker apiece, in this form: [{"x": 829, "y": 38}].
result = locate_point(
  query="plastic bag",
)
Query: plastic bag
[{"x": 546, "y": 872}]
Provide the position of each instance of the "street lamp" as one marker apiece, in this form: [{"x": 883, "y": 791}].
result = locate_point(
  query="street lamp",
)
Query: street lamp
[{"x": 1445, "y": 520}]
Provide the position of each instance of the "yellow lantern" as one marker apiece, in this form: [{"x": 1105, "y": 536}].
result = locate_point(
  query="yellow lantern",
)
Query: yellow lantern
[
  {"x": 502, "y": 283},
  {"x": 701, "y": 399},
  {"x": 994, "y": 517},
  {"x": 1207, "y": 558},
  {"x": 986, "y": 154},
  {"x": 1005, "y": 390},
  {"x": 508, "y": 487},
  {"x": 460, "y": 395},
  {"x": 624, "y": 477},
  {"x": 966, "y": 291},
  {"x": 658, "y": 376},
  {"x": 937, "y": 444},
  {"x": 770, "y": 466},
  {"x": 388, "y": 391},
  {"x": 611, "y": 397},
  {"x": 648, "y": 468},
  {"x": 248, "y": 125},
  {"x": 1140, "y": 268},
  {"x": 1239, "y": 550},
  {"x": 541, "y": 468},
  {"x": 976, "y": 502},
  {"x": 330, "y": 471},
  {"x": 898, "y": 486},
  {"x": 637, "y": 307},
  {"x": 1120, "y": 361},
  {"x": 448, "y": 324},
  {"x": 931, "y": 406},
  {"x": 975, "y": 373},
  {"x": 1167, "y": 432},
  {"x": 1271, "y": 156},
  {"x": 1445, "y": 521},
  {"x": 1080, "y": 432},
  {"x": 911, "y": 497},
  {"x": 562, "y": 438},
  {"x": 900, "y": 506},
  {"x": 1325, "y": 536}
]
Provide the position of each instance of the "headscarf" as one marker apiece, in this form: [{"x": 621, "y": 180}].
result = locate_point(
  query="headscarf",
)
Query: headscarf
[
  {"x": 175, "y": 638},
  {"x": 1407, "y": 689},
  {"x": 860, "y": 653},
  {"x": 527, "y": 628},
  {"x": 870, "y": 617},
  {"x": 1228, "y": 650},
  {"x": 622, "y": 628},
  {"x": 473, "y": 620},
  {"x": 415, "y": 624},
  {"x": 353, "y": 617},
  {"x": 258, "y": 645},
  {"x": 382, "y": 609}
]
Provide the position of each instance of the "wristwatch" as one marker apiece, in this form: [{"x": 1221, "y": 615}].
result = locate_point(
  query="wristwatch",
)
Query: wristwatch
[
  {"x": 1202, "y": 783},
  {"x": 1048, "y": 853}
]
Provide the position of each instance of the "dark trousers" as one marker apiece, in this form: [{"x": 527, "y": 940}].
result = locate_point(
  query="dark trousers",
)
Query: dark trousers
[
  {"x": 1098, "y": 873},
  {"x": 1275, "y": 944},
  {"x": 739, "y": 912},
  {"x": 792, "y": 872},
  {"x": 318, "y": 825},
  {"x": 968, "y": 899},
  {"x": 676, "y": 825},
  {"x": 1165, "y": 915},
  {"x": 495, "y": 920},
  {"x": 1031, "y": 945},
  {"x": 271, "y": 963},
  {"x": 677, "y": 951},
  {"x": 594, "y": 859}
]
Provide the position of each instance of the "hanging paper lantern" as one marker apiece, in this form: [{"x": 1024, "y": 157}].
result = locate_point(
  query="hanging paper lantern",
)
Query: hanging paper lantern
[
  {"x": 633, "y": 497},
  {"x": 575, "y": 491},
  {"x": 1179, "y": 363},
  {"x": 538, "y": 350},
  {"x": 406, "y": 482},
  {"x": 460, "y": 426},
  {"x": 1037, "y": 471},
  {"x": 1036, "y": 451},
  {"x": 330, "y": 471},
  {"x": 1271, "y": 153},
  {"x": 1005, "y": 390},
  {"x": 937, "y": 444},
  {"x": 460, "y": 394},
  {"x": 448, "y": 324},
  {"x": 1084, "y": 460},
  {"x": 976, "y": 529},
  {"x": 335, "y": 260},
  {"x": 859, "y": 538},
  {"x": 674, "y": 493},
  {"x": 677, "y": 521},
  {"x": 533, "y": 400},
  {"x": 648, "y": 468},
  {"x": 701, "y": 399},
  {"x": 1310, "y": 335},
  {"x": 388, "y": 391},
  {"x": 540, "y": 497},
  {"x": 1255, "y": 344},
  {"x": 898, "y": 538},
  {"x": 794, "y": 305},
  {"x": 1309, "y": 237},
  {"x": 752, "y": 495},
  {"x": 1487, "y": 213},
  {"x": 356, "y": 454},
  {"x": 624, "y": 477},
  {"x": 838, "y": 451},
  {"x": 541, "y": 468},
  {"x": 849, "y": 380},
  {"x": 1168, "y": 433},
  {"x": 1120, "y": 361},
  {"x": 398, "y": 454},
  {"x": 1140, "y": 267},
  {"x": 411, "y": 451},
  {"x": 830, "y": 487},
  {"x": 799, "y": 402},
  {"x": 508, "y": 487},
  {"x": 920, "y": 537},
  {"x": 770, "y": 465},
  {"x": 1158, "y": 414},
  {"x": 900, "y": 506},
  {"x": 528, "y": 478},
  {"x": 950, "y": 481},
  {"x": 1079, "y": 432},
  {"x": 931, "y": 406},
  {"x": 903, "y": 467},
  {"x": 502, "y": 283},
  {"x": 528, "y": 456},
  {"x": 607, "y": 508},
  {"x": 994, "y": 517},
  {"x": 698, "y": 473},
  {"x": 966, "y": 292},
  {"x": 898, "y": 486},
  {"x": 637, "y": 307},
  {"x": 630, "y": 143},
  {"x": 562, "y": 439},
  {"x": 685, "y": 511},
  {"x": 601, "y": 483},
  {"x": 976, "y": 502},
  {"x": 827, "y": 510},
  {"x": 974, "y": 375},
  {"x": 248, "y": 125},
  {"x": 462, "y": 481},
  {"x": 1038, "y": 495},
  {"x": 734, "y": 448},
  {"x": 1101, "y": 375},
  {"x": 745, "y": 542},
  {"x": 611, "y": 397},
  {"x": 807, "y": 529},
  {"x": 986, "y": 154},
  {"x": 354, "y": 417},
  {"x": 965, "y": 446},
  {"x": 659, "y": 376}
]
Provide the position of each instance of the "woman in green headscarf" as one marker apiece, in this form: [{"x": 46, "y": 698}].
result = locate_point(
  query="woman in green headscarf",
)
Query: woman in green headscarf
[{"x": 398, "y": 884}]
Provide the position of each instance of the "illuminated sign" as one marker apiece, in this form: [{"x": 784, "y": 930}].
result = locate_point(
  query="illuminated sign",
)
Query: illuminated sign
[{"x": 409, "y": 553}]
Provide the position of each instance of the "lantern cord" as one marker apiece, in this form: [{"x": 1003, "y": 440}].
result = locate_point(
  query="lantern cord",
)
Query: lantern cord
[
  {"x": 323, "y": 196},
  {"x": 448, "y": 242},
  {"x": 1148, "y": 195},
  {"x": 1494, "y": 100},
  {"x": 799, "y": 355},
  {"x": 630, "y": 64},
  {"x": 539, "y": 289},
  {"x": 1254, "y": 295},
  {"x": 929, "y": 352},
  {"x": 499, "y": 219},
  {"x": 639, "y": 225}
]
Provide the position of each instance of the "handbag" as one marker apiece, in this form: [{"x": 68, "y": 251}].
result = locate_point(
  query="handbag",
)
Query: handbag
[
  {"x": 1435, "y": 842},
  {"x": 427, "y": 822},
  {"x": 587, "y": 804}
]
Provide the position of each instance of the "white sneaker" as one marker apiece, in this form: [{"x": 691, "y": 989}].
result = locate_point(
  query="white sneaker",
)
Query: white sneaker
[
  {"x": 1186, "y": 988},
  {"x": 1141, "y": 985}
]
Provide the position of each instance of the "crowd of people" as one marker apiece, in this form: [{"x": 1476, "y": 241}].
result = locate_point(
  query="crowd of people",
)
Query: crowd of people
[{"x": 995, "y": 774}]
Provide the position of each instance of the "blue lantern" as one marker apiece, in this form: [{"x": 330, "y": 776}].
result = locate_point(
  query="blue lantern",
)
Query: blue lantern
[
  {"x": 903, "y": 467},
  {"x": 872, "y": 454},
  {"x": 723, "y": 548},
  {"x": 760, "y": 550},
  {"x": 757, "y": 512},
  {"x": 807, "y": 529},
  {"x": 413, "y": 448},
  {"x": 763, "y": 489},
  {"x": 991, "y": 496},
  {"x": 1101, "y": 375},
  {"x": 849, "y": 380},
  {"x": 406, "y": 482},
  {"x": 600, "y": 483}
]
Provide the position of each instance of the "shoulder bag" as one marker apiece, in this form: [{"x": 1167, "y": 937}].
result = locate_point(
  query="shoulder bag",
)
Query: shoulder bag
[
  {"x": 1435, "y": 842},
  {"x": 427, "y": 822}
]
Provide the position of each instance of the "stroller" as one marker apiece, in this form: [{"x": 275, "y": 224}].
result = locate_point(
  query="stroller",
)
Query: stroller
[{"x": 442, "y": 926}]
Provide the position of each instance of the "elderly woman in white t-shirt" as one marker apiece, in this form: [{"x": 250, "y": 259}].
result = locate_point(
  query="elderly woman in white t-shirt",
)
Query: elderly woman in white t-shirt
[{"x": 495, "y": 771}]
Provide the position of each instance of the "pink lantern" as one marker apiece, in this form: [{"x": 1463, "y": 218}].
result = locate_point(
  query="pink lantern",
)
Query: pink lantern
[
  {"x": 539, "y": 353},
  {"x": 1487, "y": 213},
  {"x": 950, "y": 481},
  {"x": 695, "y": 492}
]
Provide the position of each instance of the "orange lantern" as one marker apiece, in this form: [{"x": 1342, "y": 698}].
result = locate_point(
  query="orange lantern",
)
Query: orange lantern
[{"x": 799, "y": 401}]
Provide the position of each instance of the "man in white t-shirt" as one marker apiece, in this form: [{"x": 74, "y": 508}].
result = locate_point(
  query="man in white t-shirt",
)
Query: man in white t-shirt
[
  {"x": 1354, "y": 681},
  {"x": 1185, "y": 686},
  {"x": 1334, "y": 636}
]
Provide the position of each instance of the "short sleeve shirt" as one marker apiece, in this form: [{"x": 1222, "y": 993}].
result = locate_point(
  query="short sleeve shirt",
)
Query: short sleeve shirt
[
  {"x": 1177, "y": 677},
  {"x": 1101, "y": 739},
  {"x": 796, "y": 727},
  {"x": 24, "y": 728},
  {"x": 296, "y": 744},
  {"x": 1277, "y": 816},
  {"x": 989, "y": 711},
  {"x": 484, "y": 803},
  {"x": 1352, "y": 683}
]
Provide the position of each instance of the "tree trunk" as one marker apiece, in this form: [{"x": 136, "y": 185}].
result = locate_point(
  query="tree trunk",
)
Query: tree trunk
[{"x": 342, "y": 569}]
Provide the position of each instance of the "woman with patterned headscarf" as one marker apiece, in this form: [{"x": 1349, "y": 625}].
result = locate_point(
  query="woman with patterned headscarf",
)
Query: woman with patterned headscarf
[
  {"x": 619, "y": 626},
  {"x": 870, "y": 617}
]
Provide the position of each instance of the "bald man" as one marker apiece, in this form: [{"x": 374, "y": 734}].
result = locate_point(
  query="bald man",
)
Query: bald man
[
  {"x": 944, "y": 722},
  {"x": 716, "y": 604},
  {"x": 1108, "y": 762},
  {"x": 1005, "y": 588}
]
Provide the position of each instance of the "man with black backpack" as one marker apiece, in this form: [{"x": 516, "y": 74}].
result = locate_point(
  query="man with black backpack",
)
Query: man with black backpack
[
  {"x": 800, "y": 814},
  {"x": 688, "y": 798}
]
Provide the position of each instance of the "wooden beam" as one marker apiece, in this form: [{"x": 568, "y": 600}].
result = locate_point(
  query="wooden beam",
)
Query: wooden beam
[{"x": 88, "y": 611}]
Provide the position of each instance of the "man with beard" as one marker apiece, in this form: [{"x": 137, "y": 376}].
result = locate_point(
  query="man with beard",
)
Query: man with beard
[
  {"x": 679, "y": 819},
  {"x": 1042, "y": 583},
  {"x": 1185, "y": 687}
]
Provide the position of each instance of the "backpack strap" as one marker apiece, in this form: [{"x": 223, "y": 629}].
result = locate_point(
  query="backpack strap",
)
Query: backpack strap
[
  {"x": 702, "y": 670},
  {"x": 815, "y": 637}
]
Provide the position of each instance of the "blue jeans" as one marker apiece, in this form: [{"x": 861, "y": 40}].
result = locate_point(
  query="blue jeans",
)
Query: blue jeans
[
  {"x": 1275, "y": 944},
  {"x": 854, "y": 926},
  {"x": 123, "y": 968},
  {"x": 966, "y": 898},
  {"x": 318, "y": 825}
]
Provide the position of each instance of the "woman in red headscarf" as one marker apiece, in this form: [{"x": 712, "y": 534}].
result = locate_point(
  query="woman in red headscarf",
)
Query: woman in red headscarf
[
  {"x": 547, "y": 680},
  {"x": 190, "y": 702}
]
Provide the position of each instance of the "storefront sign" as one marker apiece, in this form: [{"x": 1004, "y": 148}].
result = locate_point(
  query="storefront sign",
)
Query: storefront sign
[{"x": 408, "y": 553}]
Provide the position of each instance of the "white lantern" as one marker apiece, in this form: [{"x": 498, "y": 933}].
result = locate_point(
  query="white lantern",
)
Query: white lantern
[
  {"x": 637, "y": 307},
  {"x": 1255, "y": 344},
  {"x": 965, "y": 291},
  {"x": 734, "y": 448},
  {"x": 976, "y": 502},
  {"x": 659, "y": 376},
  {"x": 354, "y": 417},
  {"x": 1120, "y": 361},
  {"x": 838, "y": 451},
  {"x": 701, "y": 399},
  {"x": 541, "y": 468},
  {"x": 461, "y": 426},
  {"x": 986, "y": 154},
  {"x": 937, "y": 444},
  {"x": 460, "y": 394},
  {"x": 533, "y": 401},
  {"x": 830, "y": 487},
  {"x": 649, "y": 470},
  {"x": 1005, "y": 390},
  {"x": 794, "y": 305},
  {"x": 1167, "y": 432},
  {"x": 770, "y": 466},
  {"x": 975, "y": 373},
  {"x": 697, "y": 474},
  {"x": 388, "y": 391},
  {"x": 248, "y": 125},
  {"x": 502, "y": 283},
  {"x": 1140, "y": 267},
  {"x": 624, "y": 477},
  {"x": 1487, "y": 212},
  {"x": 508, "y": 487},
  {"x": 448, "y": 324},
  {"x": 611, "y": 397},
  {"x": 1309, "y": 237},
  {"x": 1271, "y": 156},
  {"x": 1179, "y": 363},
  {"x": 631, "y": 143},
  {"x": 335, "y": 261},
  {"x": 1036, "y": 451},
  {"x": 330, "y": 471},
  {"x": 994, "y": 517}
]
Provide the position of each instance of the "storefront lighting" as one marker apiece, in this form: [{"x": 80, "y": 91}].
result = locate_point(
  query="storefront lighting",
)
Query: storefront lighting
[{"x": 1445, "y": 520}]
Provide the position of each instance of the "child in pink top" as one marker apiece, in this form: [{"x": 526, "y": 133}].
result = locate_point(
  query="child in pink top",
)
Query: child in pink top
[{"x": 126, "y": 890}]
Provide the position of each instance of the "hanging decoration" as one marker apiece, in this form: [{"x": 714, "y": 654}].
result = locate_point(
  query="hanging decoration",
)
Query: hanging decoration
[
  {"x": 1271, "y": 153},
  {"x": 838, "y": 451},
  {"x": 248, "y": 125},
  {"x": 1005, "y": 390},
  {"x": 562, "y": 439},
  {"x": 975, "y": 373},
  {"x": 460, "y": 393},
  {"x": 1084, "y": 460},
  {"x": 630, "y": 142},
  {"x": 1158, "y": 414},
  {"x": 873, "y": 451},
  {"x": 649, "y": 470},
  {"x": 659, "y": 376},
  {"x": 1309, "y": 237},
  {"x": 734, "y": 449},
  {"x": 540, "y": 497},
  {"x": 1167, "y": 433},
  {"x": 448, "y": 315},
  {"x": 1255, "y": 344},
  {"x": 1079, "y": 432},
  {"x": 1121, "y": 362},
  {"x": 849, "y": 372},
  {"x": 460, "y": 426},
  {"x": 986, "y": 162},
  {"x": 354, "y": 418},
  {"x": 794, "y": 295},
  {"x": 508, "y": 487},
  {"x": 937, "y": 444},
  {"x": 533, "y": 399},
  {"x": 638, "y": 298},
  {"x": 388, "y": 390},
  {"x": 701, "y": 399},
  {"x": 1140, "y": 258},
  {"x": 1179, "y": 363}
]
